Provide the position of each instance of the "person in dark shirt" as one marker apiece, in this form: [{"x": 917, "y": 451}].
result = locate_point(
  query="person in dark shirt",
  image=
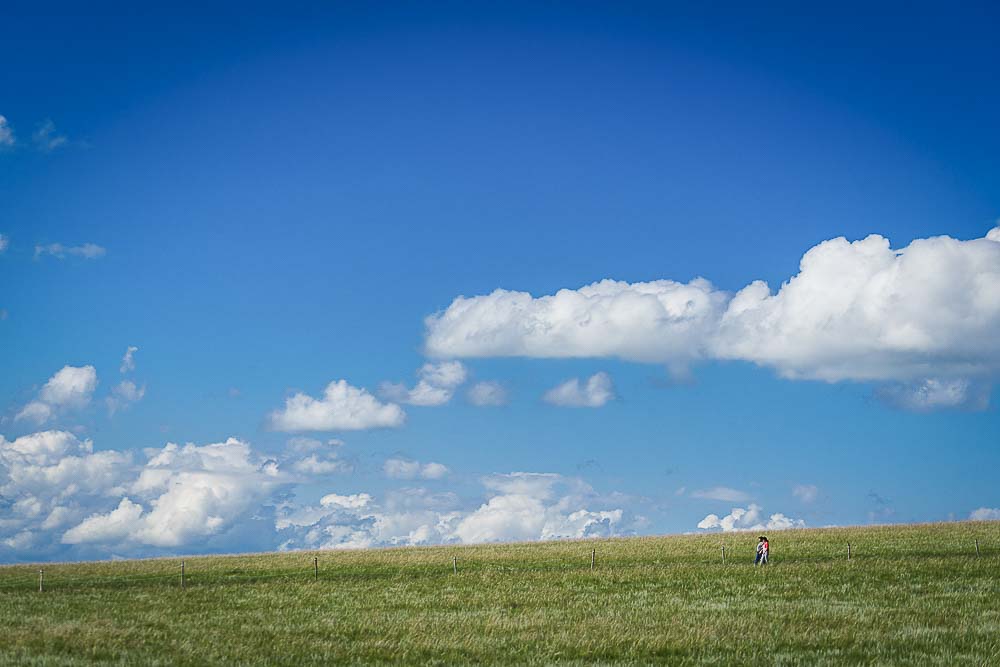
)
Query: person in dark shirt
[{"x": 763, "y": 551}]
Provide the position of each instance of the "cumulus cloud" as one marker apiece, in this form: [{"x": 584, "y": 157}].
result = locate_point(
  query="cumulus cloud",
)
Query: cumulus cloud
[
  {"x": 593, "y": 393},
  {"x": 531, "y": 506},
  {"x": 856, "y": 311},
  {"x": 6, "y": 133},
  {"x": 70, "y": 387},
  {"x": 487, "y": 393},
  {"x": 124, "y": 394},
  {"x": 341, "y": 408},
  {"x": 807, "y": 493},
  {"x": 128, "y": 360},
  {"x": 48, "y": 481},
  {"x": 435, "y": 386},
  {"x": 661, "y": 321},
  {"x": 60, "y": 251},
  {"x": 986, "y": 514},
  {"x": 46, "y": 138},
  {"x": 182, "y": 494},
  {"x": 114, "y": 526},
  {"x": 749, "y": 518},
  {"x": 4, "y": 241},
  {"x": 723, "y": 493},
  {"x": 405, "y": 469}
]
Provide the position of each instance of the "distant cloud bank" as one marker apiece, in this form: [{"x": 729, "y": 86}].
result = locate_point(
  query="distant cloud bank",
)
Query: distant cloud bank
[
  {"x": 749, "y": 518},
  {"x": 65, "y": 499}
]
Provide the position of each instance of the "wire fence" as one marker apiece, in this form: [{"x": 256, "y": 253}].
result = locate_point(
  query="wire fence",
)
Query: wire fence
[{"x": 180, "y": 574}]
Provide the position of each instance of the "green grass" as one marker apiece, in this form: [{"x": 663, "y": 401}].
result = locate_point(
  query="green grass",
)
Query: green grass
[{"x": 911, "y": 595}]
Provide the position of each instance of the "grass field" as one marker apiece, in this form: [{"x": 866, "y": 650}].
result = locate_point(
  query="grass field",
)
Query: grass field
[{"x": 910, "y": 595}]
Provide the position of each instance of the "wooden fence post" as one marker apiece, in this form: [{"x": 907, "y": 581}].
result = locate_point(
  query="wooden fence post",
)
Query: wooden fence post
[
  {"x": 41, "y": 577},
  {"x": 848, "y": 551},
  {"x": 977, "y": 548},
  {"x": 454, "y": 564},
  {"x": 593, "y": 558},
  {"x": 183, "y": 583},
  {"x": 315, "y": 567},
  {"x": 723, "y": 554}
]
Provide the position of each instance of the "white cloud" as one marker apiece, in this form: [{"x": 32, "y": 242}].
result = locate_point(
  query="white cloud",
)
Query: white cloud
[
  {"x": 6, "y": 133},
  {"x": 508, "y": 517},
  {"x": 723, "y": 493},
  {"x": 749, "y": 518},
  {"x": 655, "y": 322},
  {"x": 342, "y": 408},
  {"x": 933, "y": 394},
  {"x": 190, "y": 493},
  {"x": 36, "y": 412},
  {"x": 535, "y": 484},
  {"x": 856, "y": 311},
  {"x": 807, "y": 493},
  {"x": 128, "y": 361},
  {"x": 123, "y": 395},
  {"x": 316, "y": 465},
  {"x": 114, "y": 526},
  {"x": 86, "y": 251},
  {"x": 355, "y": 501},
  {"x": 303, "y": 445},
  {"x": 435, "y": 386},
  {"x": 532, "y": 506},
  {"x": 596, "y": 392},
  {"x": 46, "y": 138},
  {"x": 487, "y": 393},
  {"x": 70, "y": 387},
  {"x": 986, "y": 514},
  {"x": 4, "y": 241},
  {"x": 309, "y": 456},
  {"x": 50, "y": 479},
  {"x": 404, "y": 469}
]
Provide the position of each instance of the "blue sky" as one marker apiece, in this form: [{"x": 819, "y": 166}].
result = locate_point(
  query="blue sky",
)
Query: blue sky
[{"x": 279, "y": 198}]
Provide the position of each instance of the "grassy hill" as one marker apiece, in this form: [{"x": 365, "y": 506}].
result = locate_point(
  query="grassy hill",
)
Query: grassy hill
[{"x": 910, "y": 595}]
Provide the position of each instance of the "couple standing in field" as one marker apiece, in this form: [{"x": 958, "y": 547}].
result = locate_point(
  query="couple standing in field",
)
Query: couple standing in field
[{"x": 763, "y": 550}]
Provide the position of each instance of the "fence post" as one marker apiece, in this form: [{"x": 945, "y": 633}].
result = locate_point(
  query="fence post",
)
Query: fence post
[
  {"x": 723, "y": 554},
  {"x": 315, "y": 567},
  {"x": 848, "y": 551},
  {"x": 593, "y": 559},
  {"x": 977, "y": 548},
  {"x": 41, "y": 577},
  {"x": 183, "y": 583}
]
